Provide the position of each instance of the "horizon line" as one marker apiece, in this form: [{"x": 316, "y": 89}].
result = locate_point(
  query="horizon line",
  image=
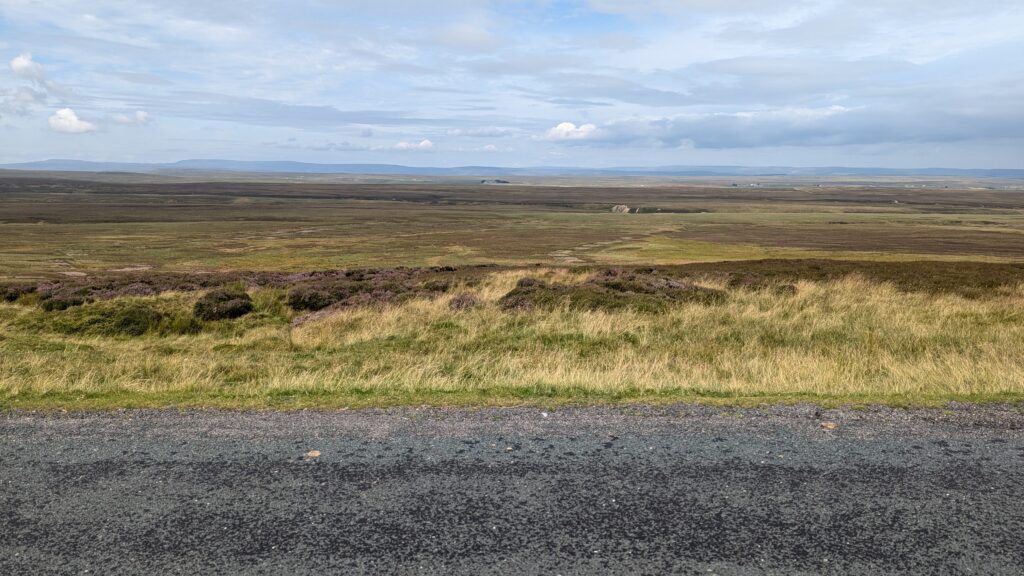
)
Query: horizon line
[{"x": 37, "y": 164}]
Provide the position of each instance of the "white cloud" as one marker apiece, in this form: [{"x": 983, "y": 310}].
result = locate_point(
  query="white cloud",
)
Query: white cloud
[
  {"x": 23, "y": 66},
  {"x": 65, "y": 120},
  {"x": 805, "y": 127},
  {"x": 490, "y": 148},
  {"x": 471, "y": 34},
  {"x": 421, "y": 145},
  {"x": 483, "y": 132},
  {"x": 570, "y": 131},
  {"x": 21, "y": 100},
  {"x": 139, "y": 117},
  {"x": 642, "y": 77},
  {"x": 637, "y": 7}
]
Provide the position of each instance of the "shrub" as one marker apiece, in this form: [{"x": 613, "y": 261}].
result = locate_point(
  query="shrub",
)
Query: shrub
[
  {"x": 181, "y": 323},
  {"x": 11, "y": 293},
  {"x": 784, "y": 289},
  {"x": 119, "y": 318},
  {"x": 310, "y": 298},
  {"x": 223, "y": 304},
  {"x": 57, "y": 303},
  {"x": 758, "y": 283},
  {"x": 437, "y": 285},
  {"x": 28, "y": 299},
  {"x": 544, "y": 296},
  {"x": 609, "y": 290},
  {"x": 271, "y": 302},
  {"x": 745, "y": 281},
  {"x": 517, "y": 302},
  {"x": 132, "y": 319},
  {"x": 463, "y": 301},
  {"x": 364, "y": 287}
]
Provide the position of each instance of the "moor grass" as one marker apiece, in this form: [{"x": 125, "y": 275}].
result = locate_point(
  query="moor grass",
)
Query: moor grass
[
  {"x": 53, "y": 226},
  {"x": 840, "y": 341},
  {"x": 127, "y": 291}
]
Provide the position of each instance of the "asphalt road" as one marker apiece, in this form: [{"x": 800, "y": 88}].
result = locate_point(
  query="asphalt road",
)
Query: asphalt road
[{"x": 634, "y": 490}]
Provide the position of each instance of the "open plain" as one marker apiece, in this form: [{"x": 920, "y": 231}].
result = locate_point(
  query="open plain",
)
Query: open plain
[
  {"x": 343, "y": 291},
  {"x": 849, "y": 355},
  {"x": 512, "y": 287},
  {"x": 87, "y": 223}
]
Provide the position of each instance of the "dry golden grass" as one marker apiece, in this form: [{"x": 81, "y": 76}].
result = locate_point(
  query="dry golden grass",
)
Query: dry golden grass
[{"x": 849, "y": 340}]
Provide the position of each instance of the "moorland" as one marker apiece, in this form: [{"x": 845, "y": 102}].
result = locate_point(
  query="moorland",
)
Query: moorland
[{"x": 124, "y": 290}]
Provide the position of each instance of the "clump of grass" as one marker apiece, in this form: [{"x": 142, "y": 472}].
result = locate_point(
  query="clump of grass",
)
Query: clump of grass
[
  {"x": 63, "y": 302},
  {"x": 28, "y": 299},
  {"x": 12, "y": 292},
  {"x": 366, "y": 287},
  {"x": 463, "y": 301},
  {"x": 313, "y": 298},
  {"x": 965, "y": 278},
  {"x": 757, "y": 282},
  {"x": 271, "y": 303},
  {"x": 123, "y": 317},
  {"x": 610, "y": 290},
  {"x": 439, "y": 285},
  {"x": 223, "y": 304}
]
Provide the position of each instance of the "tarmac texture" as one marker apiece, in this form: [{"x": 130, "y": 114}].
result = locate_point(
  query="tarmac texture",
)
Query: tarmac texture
[{"x": 606, "y": 490}]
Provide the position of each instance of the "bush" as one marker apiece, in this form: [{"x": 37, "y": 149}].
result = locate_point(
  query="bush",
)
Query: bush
[
  {"x": 609, "y": 290},
  {"x": 363, "y": 288},
  {"x": 122, "y": 318},
  {"x": 11, "y": 293},
  {"x": 756, "y": 282},
  {"x": 57, "y": 303},
  {"x": 223, "y": 304},
  {"x": 437, "y": 285},
  {"x": 271, "y": 303},
  {"x": 517, "y": 302},
  {"x": 528, "y": 282},
  {"x": 310, "y": 298},
  {"x": 463, "y": 301},
  {"x": 134, "y": 319}
]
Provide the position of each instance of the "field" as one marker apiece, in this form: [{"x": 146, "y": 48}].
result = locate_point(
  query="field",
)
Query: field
[{"x": 457, "y": 292}]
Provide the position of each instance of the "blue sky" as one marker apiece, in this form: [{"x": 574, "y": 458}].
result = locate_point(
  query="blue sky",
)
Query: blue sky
[{"x": 899, "y": 83}]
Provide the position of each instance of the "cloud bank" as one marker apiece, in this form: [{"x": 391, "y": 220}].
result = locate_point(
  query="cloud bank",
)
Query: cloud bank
[
  {"x": 570, "y": 131},
  {"x": 590, "y": 83},
  {"x": 421, "y": 145}
]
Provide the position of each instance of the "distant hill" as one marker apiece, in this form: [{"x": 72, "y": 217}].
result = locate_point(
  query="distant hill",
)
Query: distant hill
[{"x": 281, "y": 166}]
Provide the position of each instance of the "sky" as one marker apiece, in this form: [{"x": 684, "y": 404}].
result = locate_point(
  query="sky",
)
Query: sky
[{"x": 599, "y": 83}]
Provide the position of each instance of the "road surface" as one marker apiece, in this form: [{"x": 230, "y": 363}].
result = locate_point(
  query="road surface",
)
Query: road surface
[{"x": 627, "y": 490}]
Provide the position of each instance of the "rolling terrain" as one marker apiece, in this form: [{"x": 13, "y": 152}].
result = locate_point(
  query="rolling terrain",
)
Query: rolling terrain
[
  {"x": 54, "y": 225},
  {"x": 145, "y": 290}
]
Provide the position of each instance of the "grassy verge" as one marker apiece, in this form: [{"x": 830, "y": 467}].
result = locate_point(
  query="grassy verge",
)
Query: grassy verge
[
  {"x": 541, "y": 398},
  {"x": 845, "y": 341}
]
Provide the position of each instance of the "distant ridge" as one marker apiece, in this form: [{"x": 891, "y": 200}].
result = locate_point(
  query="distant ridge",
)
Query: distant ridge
[{"x": 282, "y": 166}]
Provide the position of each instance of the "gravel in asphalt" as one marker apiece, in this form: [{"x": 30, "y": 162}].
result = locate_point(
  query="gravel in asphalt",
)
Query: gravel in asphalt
[{"x": 623, "y": 490}]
